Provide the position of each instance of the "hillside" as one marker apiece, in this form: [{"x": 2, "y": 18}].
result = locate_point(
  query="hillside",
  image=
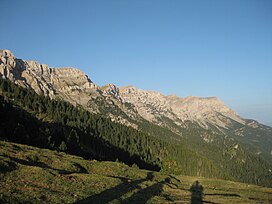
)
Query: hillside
[
  {"x": 33, "y": 175},
  {"x": 39, "y": 121},
  {"x": 62, "y": 109}
]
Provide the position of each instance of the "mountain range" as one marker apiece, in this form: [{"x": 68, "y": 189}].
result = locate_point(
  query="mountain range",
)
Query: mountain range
[{"x": 193, "y": 121}]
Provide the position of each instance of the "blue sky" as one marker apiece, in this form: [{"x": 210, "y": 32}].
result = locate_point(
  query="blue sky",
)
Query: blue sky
[{"x": 197, "y": 47}]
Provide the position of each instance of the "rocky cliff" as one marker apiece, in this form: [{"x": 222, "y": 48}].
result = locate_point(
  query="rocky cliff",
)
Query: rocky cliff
[
  {"x": 66, "y": 83},
  {"x": 153, "y": 106},
  {"x": 74, "y": 86}
]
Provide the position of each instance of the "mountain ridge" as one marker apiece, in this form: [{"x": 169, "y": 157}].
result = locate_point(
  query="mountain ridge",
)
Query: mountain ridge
[
  {"x": 55, "y": 81},
  {"x": 131, "y": 106}
]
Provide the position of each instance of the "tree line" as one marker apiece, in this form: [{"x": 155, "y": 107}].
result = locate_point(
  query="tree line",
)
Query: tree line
[{"x": 33, "y": 119}]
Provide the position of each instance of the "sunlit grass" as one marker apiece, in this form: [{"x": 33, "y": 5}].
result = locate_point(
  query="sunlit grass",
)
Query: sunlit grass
[{"x": 34, "y": 175}]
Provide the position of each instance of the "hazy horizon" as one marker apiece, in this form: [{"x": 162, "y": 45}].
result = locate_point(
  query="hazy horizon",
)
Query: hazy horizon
[{"x": 187, "y": 48}]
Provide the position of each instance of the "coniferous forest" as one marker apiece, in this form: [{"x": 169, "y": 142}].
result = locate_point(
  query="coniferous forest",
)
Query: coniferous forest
[{"x": 36, "y": 120}]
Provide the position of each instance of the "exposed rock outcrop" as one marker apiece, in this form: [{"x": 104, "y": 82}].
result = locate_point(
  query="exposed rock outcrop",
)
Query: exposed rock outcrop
[
  {"x": 204, "y": 111},
  {"x": 67, "y": 83},
  {"x": 74, "y": 86}
]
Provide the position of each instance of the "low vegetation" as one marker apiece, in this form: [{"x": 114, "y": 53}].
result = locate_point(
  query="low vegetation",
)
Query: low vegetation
[{"x": 33, "y": 175}]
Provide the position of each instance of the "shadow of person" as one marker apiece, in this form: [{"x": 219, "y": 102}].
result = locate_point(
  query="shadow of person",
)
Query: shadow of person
[
  {"x": 145, "y": 194},
  {"x": 116, "y": 192},
  {"x": 197, "y": 193}
]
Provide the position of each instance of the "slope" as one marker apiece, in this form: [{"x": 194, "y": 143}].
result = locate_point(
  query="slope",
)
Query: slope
[
  {"x": 33, "y": 175},
  {"x": 36, "y": 120}
]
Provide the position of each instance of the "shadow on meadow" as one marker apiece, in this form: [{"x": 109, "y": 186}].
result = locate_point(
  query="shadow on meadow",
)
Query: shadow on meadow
[
  {"x": 141, "y": 196},
  {"x": 197, "y": 193}
]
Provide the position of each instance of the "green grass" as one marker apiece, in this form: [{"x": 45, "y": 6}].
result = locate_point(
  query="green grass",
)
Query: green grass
[{"x": 33, "y": 175}]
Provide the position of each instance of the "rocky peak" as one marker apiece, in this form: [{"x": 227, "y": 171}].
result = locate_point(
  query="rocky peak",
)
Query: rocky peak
[
  {"x": 149, "y": 104},
  {"x": 72, "y": 78},
  {"x": 195, "y": 104},
  {"x": 110, "y": 90},
  {"x": 70, "y": 72},
  {"x": 132, "y": 93},
  {"x": 6, "y": 54},
  {"x": 204, "y": 111},
  {"x": 52, "y": 82},
  {"x": 7, "y": 64}
]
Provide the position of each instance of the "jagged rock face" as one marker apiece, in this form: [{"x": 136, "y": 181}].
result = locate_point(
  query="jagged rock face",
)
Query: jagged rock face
[
  {"x": 204, "y": 111},
  {"x": 112, "y": 90},
  {"x": 74, "y": 86},
  {"x": 7, "y": 64},
  {"x": 67, "y": 83},
  {"x": 148, "y": 104}
]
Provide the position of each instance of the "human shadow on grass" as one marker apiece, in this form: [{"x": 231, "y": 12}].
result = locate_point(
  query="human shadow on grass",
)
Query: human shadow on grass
[
  {"x": 143, "y": 195},
  {"x": 126, "y": 186},
  {"x": 197, "y": 193}
]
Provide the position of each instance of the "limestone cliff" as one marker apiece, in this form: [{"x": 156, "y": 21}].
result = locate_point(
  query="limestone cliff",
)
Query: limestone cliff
[
  {"x": 66, "y": 83},
  {"x": 204, "y": 111},
  {"x": 74, "y": 86}
]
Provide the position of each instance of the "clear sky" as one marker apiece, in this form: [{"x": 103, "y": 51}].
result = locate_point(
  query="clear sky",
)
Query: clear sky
[{"x": 217, "y": 48}]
